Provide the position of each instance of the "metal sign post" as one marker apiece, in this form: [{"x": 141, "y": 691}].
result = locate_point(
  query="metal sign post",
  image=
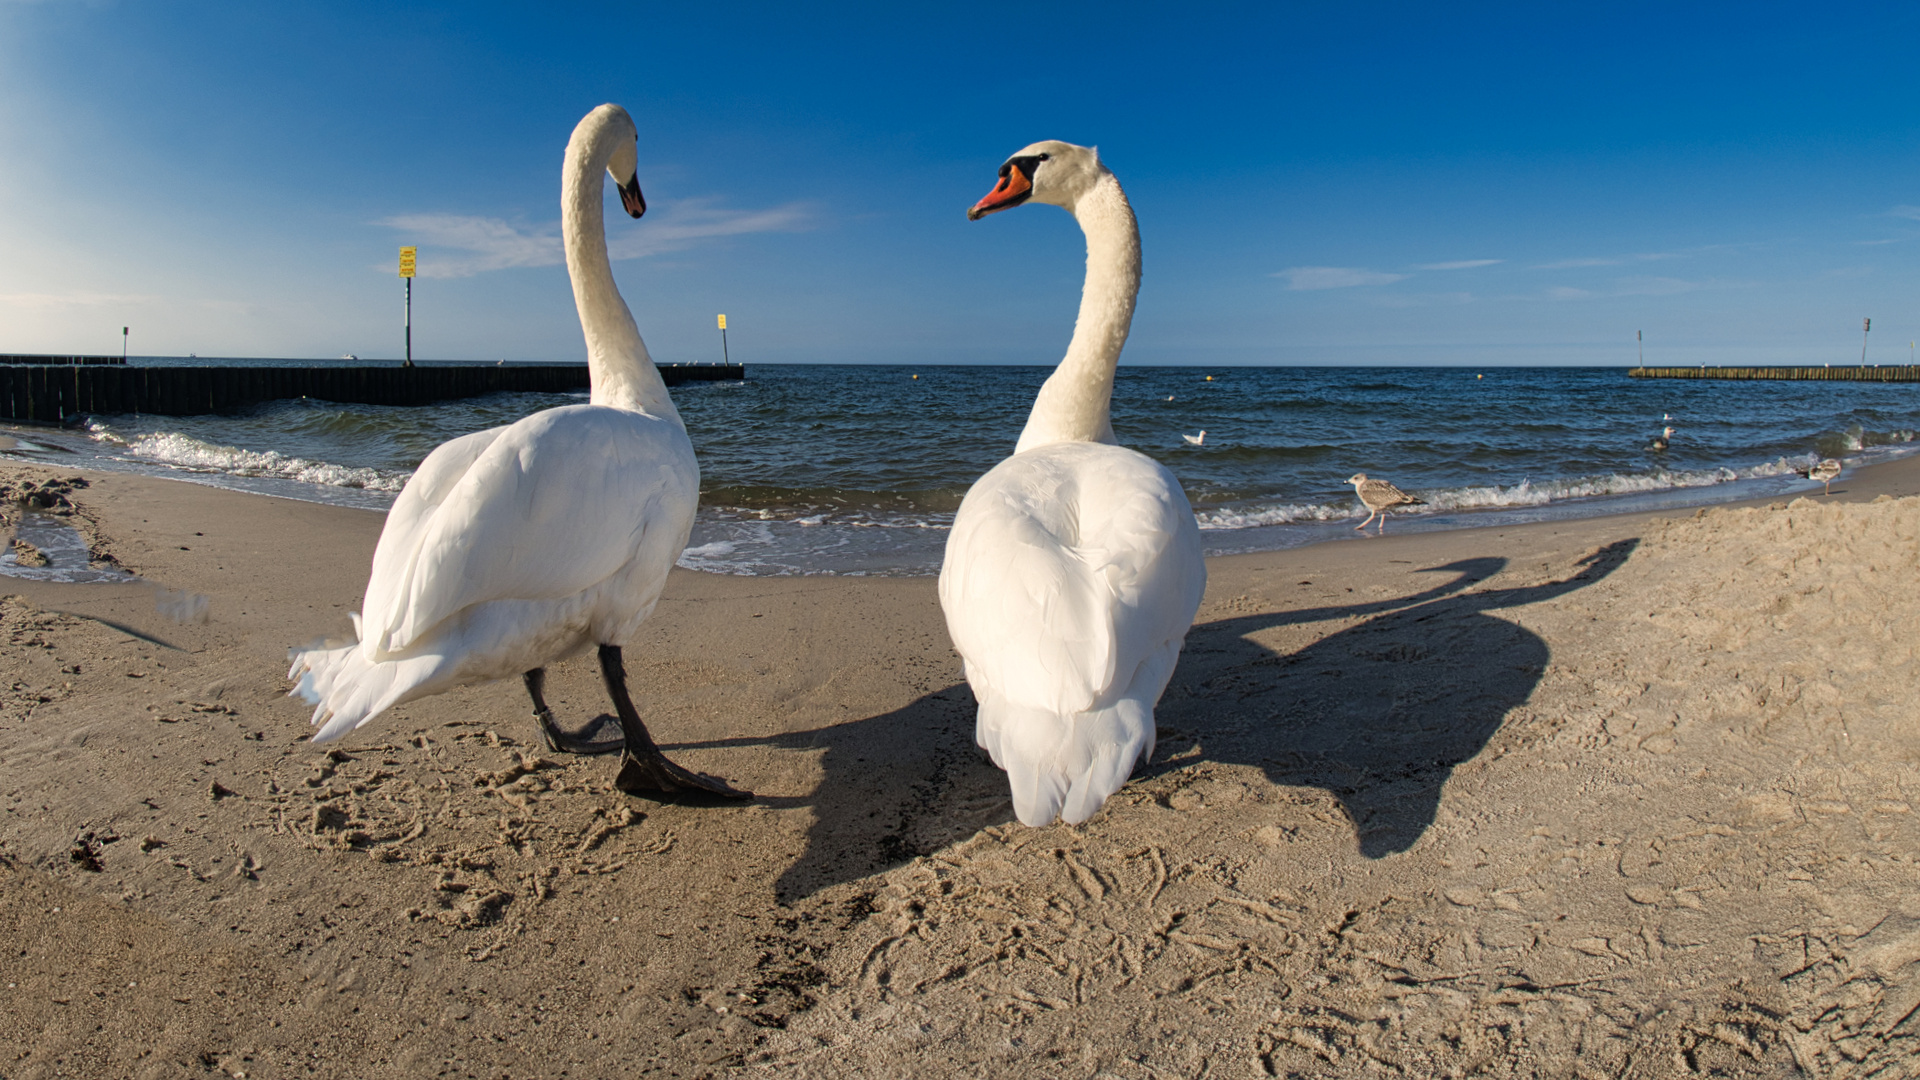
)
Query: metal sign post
[
  {"x": 406, "y": 271},
  {"x": 724, "y": 357}
]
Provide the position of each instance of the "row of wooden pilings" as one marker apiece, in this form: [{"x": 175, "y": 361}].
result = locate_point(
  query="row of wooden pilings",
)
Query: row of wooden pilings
[
  {"x": 1846, "y": 373},
  {"x": 48, "y": 394}
]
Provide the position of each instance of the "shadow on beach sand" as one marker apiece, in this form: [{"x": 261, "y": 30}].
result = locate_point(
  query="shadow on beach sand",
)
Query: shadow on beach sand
[{"x": 1378, "y": 715}]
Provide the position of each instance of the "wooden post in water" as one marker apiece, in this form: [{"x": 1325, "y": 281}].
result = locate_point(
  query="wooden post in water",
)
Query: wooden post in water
[
  {"x": 406, "y": 271},
  {"x": 1866, "y": 326}
]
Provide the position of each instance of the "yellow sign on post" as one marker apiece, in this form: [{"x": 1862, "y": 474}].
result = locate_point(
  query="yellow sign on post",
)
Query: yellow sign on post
[
  {"x": 723, "y": 322},
  {"x": 406, "y": 261}
]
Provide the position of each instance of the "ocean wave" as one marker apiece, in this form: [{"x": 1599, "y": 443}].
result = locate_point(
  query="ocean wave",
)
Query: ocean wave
[
  {"x": 193, "y": 455},
  {"x": 1490, "y": 497}
]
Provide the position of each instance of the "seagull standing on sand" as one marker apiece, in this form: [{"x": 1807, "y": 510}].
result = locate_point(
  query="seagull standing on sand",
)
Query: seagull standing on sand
[
  {"x": 516, "y": 547},
  {"x": 1196, "y": 440},
  {"x": 1825, "y": 472},
  {"x": 1379, "y": 496}
]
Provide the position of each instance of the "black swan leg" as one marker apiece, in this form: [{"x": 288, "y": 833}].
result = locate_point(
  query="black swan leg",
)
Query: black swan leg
[
  {"x": 601, "y": 735},
  {"x": 644, "y": 770}
]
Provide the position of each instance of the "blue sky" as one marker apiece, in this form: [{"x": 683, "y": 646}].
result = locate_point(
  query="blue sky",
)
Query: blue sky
[{"x": 1316, "y": 184}]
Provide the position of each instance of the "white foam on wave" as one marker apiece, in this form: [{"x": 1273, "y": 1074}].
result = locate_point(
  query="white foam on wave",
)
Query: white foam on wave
[
  {"x": 185, "y": 452},
  {"x": 1524, "y": 494}
]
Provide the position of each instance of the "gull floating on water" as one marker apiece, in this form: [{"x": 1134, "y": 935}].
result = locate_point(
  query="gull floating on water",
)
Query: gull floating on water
[
  {"x": 1379, "y": 496},
  {"x": 1662, "y": 440},
  {"x": 1196, "y": 440},
  {"x": 1825, "y": 472}
]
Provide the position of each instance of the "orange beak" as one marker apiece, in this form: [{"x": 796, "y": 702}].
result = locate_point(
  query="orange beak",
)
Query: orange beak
[{"x": 1013, "y": 189}]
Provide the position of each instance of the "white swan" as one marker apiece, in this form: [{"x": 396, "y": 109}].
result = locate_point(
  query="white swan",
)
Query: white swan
[
  {"x": 515, "y": 547},
  {"x": 1074, "y": 568}
]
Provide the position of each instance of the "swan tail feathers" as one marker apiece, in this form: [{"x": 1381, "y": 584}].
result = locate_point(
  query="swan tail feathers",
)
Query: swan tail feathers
[
  {"x": 1064, "y": 767},
  {"x": 347, "y": 689}
]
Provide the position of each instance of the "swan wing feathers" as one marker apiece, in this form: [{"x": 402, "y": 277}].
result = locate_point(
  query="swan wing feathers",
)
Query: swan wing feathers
[
  {"x": 1067, "y": 566},
  {"x": 548, "y": 508}
]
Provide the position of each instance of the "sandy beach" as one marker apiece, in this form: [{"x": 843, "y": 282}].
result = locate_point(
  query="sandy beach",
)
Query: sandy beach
[{"x": 1625, "y": 796}]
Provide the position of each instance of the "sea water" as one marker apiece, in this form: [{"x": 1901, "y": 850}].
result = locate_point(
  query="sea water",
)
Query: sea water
[{"x": 809, "y": 469}]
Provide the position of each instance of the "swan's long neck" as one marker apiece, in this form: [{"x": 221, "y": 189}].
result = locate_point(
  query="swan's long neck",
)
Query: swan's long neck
[
  {"x": 1075, "y": 404},
  {"x": 621, "y": 373}
]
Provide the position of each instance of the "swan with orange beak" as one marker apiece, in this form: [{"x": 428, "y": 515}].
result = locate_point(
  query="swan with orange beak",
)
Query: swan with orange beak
[{"x": 1074, "y": 567}]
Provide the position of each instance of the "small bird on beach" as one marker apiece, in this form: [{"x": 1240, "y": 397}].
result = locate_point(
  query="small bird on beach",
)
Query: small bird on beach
[
  {"x": 1196, "y": 440},
  {"x": 1662, "y": 441},
  {"x": 516, "y": 547},
  {"x": 1379, "y": 496},
  {"x": 1825, "y": 472}
]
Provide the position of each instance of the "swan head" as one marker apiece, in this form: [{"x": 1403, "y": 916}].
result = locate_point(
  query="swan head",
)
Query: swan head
[
  {"x": 624, "y": 167},
  {"x": 607, "y": 133},
  {"x": 1050, "y": 172}
]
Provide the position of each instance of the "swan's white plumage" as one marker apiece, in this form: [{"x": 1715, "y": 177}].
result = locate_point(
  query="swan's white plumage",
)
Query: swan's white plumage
[
  {"x": 1072, "y": 574},
  {"x": 1074, "y": 567},
  {"x": 515, "y": 547}
]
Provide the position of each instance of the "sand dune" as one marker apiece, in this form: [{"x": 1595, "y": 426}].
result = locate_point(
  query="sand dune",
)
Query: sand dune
[{"x": 1630, "y": 795}]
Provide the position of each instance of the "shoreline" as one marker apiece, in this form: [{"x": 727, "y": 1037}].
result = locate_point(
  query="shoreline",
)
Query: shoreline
[
  {"x": 1490, "y": 794},
  {"x": 725, "y": 537}
]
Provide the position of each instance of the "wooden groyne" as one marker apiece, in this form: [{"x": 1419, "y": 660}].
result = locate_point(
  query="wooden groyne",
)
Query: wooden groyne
[
  {"x": 55, "y": 394},
  {"x": 1838, "y": 373},
  {"x": 42, "y": 358}
]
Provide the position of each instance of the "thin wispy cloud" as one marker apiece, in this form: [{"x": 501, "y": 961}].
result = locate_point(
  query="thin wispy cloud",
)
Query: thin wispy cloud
[
  {"x": 460, "y": 245},
  {"x": 1575, "y": 264},
  {"x": 44, "y": 301},
  {"x": 1307, "y": 278},
  {"x": 1459, "y": 264},
  {"x": 1645, "y": 256},
  {"x": 1653, "y": 286},
  {"x": 1905, "y": 211},
  {"x": 1630, "y": 286}
]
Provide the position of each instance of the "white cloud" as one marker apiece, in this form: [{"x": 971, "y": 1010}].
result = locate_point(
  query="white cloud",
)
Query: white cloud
[
  {"x": 1653, "y": 286},
  {"x": 44, "y": 301},
  {"x": 1905, "y": 212},
  {"x": 1571, "y": 264},
  {"x": 1618, "y": 260},
  {"x": 1304, "y": 278},
  {"x": 1459, "y": 264},
  {"x": 458, "y": 245}
]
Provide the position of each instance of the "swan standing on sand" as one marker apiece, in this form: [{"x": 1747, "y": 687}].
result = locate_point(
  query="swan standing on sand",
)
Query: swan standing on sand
[
  {"x": 518, "y": 546},
  {"x": 1074, "y": 568}
]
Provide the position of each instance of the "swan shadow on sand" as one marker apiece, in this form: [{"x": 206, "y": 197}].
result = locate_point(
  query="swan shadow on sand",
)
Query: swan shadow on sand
[{"x": 1378, "y": 715}]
